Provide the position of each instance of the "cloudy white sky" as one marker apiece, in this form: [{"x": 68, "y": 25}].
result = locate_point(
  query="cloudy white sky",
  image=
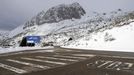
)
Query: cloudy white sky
[{"x": 15, "y": 12}]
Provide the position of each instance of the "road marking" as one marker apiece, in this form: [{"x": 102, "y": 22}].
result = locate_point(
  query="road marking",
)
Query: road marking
[
  {"x": 16, "y": 70},
  {"x": 41, "y": 51},
  {"x": 129, "y": 65},
  {"x": 107, "y": 62},
  {"x": 57, "y": 58},
  {"x": 72, "y": 57},
  {"x": 84, "y": 55},
  {"x": 119, "y": 57},
  {"x": 114, "y": 65},
  {"x": 29, "y": 64},
  {"x": 46, "y": 61},
  {"x": 73, "y": 51}
]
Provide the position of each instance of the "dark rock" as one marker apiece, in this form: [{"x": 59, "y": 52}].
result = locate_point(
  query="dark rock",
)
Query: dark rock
[
  {"x": 56, "y": 14},
  {"x": 61, "y": 12},
  {"x": 70, "y": 39}
]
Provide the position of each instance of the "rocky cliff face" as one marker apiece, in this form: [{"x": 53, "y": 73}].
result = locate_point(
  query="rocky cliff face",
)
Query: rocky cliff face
[{"x": 57, "y": 13}]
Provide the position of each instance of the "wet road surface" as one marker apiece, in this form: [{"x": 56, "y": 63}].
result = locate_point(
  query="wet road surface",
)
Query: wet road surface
[{"x": 62, "y": 61}]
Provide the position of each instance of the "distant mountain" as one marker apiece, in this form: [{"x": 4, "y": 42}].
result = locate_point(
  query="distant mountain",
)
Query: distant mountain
[
  {"x": 3, "y": 33},
  {"x": 57, "y": 14},
  {"x": 65, "y": 24},
  {"x": 3, "y": 36}
]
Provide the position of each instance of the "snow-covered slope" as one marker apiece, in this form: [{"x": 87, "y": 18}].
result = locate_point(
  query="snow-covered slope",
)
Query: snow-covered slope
[
  {"x": 115, "y": 39},
  {"x": 96, "y": 30},
  {"x": 60, "y": 33},
  {"x": 16, "y": 31},
  {"x": 3, "y": 34},
  {"x": 3, "y": 37}
]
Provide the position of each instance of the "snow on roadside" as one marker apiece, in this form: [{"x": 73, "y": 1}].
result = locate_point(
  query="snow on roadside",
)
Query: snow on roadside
[
  {"x": 116, "y": 39},
  {"x": 17, "y": 49}
]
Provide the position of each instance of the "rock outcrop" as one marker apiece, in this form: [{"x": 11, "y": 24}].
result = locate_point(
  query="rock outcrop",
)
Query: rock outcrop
[{"x": 57, "y": 14}]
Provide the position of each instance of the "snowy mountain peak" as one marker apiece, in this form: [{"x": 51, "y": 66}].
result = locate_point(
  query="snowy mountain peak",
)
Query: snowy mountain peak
[
  {"x": 57, "y": 14},
  {"x": 63, "y": 22}
]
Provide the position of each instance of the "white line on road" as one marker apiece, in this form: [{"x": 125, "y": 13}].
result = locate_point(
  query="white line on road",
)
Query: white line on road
[
  {"x": 73, "y": 51},
  {"x": 84, "y": 55},
  {"x": 114, "y": 64},
  {"x": 16, "y": 70},
  {"x": 62, "y": 59},
  {"x": 107, "y": 62},
  {"x": 46, "y": 61},
  {"x": 29, "y": 64},
  {"x": 119, "y": 57},
  {"x": 72, "y": 57},
  {"x": 128, "y": 65}
]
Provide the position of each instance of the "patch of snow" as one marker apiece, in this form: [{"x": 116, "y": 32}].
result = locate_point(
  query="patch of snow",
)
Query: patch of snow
[
  {"x": 17, "y": 49},
  {"x": 116, "y": 39}
]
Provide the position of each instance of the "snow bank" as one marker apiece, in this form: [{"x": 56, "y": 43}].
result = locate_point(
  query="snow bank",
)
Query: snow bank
[
  {"x": 116, "y": 39},
  {"x": 8, "y": 50}
]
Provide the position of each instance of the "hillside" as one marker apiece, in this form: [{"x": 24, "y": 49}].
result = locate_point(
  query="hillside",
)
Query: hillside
[
  {"x": 115, "y": 39},
  {"x": 68, "y": 30},
  {"x": 3, "y": 36}
]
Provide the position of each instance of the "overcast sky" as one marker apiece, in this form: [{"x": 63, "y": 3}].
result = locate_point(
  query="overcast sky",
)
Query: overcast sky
[{"x": 15, "y": 12}]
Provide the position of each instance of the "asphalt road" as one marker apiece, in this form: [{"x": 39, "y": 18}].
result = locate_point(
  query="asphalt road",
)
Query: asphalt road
[{"x": 62, "y": 61}]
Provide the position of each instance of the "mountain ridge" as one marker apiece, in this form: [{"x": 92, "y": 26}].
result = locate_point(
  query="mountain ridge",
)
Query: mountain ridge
[
  {"x": 56, "y": 14},
  {"x": 60, "y": 32}
]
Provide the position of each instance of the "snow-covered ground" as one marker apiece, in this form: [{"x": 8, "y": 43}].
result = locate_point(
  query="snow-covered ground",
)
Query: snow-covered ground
[
  {"x": 17, "y": 49},
  {"x": 115, "y": 39},
  {"x": 91, "y": 31}
]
